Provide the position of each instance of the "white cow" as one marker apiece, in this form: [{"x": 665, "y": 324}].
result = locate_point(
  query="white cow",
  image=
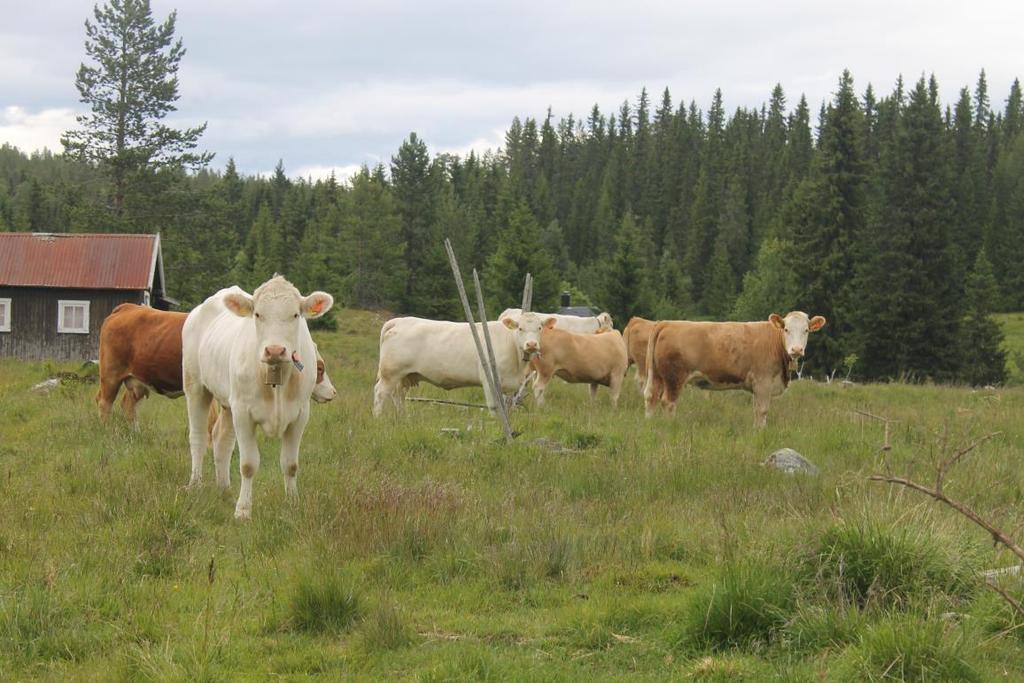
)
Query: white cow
[
  {"x": 443, "y": 354},
  {"x": 233, "y": 346},
  {"x": 570, "y": 323}
]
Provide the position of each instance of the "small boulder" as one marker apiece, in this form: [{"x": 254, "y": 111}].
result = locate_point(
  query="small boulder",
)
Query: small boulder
[{"x": 790, "y": 462}]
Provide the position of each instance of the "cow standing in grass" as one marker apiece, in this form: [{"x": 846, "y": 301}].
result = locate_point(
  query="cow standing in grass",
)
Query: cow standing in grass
[
  {"x": 442, "y": 353},
  {"x": 254, "y": 356},
  {"x": 140, "y": 349},
  {"x": 755, "y": 356},
  {"x": 594, "y": 359}
]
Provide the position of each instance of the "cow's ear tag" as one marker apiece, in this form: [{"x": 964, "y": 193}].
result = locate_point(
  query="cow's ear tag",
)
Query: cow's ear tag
[{"x": 317, "y": 307}]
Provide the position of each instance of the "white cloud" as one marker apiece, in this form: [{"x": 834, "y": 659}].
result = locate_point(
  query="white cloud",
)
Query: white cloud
[{"x": 31, "y": 132}]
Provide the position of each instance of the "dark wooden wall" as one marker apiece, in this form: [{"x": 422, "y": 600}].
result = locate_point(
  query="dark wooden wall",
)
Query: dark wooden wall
[{"x": 34, "y": 335}]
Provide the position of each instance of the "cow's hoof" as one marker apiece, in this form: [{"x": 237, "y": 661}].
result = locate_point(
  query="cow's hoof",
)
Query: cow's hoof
[{"x": 243, "y": 515}]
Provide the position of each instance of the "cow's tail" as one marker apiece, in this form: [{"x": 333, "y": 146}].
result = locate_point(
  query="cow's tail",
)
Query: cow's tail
[
  {"x": 652, "y": 341},
  {"x": 625, "y": 339}
]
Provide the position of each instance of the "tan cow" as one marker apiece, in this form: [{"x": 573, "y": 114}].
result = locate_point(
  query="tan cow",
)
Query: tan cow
[
  {"x": 593, "y": 359},
  {"x": 636, "y": 334},
  {"x": 140, "y": 347},
  {"x": 755, "y": 356}
]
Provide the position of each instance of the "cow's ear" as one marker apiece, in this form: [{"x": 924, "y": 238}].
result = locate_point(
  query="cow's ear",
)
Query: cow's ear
[
  {"x": 817, "y": 322},
  {"x": 550, "y": 323},
  {"x": 605, "y": 320},
  {"x": 510, "y": 323},
  {"x": 316, "y": 304},
  {"x": 238, "y": 303},
  {"x": 776, "y": 319}
]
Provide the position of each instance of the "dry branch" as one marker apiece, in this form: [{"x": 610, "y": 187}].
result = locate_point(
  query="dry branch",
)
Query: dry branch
[{"x": 937, "y": 493}]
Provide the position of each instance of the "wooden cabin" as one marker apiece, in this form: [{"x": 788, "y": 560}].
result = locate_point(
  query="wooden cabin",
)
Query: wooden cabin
[{"x": 56, "y": 289}]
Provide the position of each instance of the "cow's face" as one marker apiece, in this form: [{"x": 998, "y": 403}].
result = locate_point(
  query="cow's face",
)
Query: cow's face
[
  {"x": 795, "y": 328},
  {"x": 527, "y": 327},
  {"x": 604, "y": 321},
  {"x": 323, "y": 391},
  {"x": 279, "y": 312}
]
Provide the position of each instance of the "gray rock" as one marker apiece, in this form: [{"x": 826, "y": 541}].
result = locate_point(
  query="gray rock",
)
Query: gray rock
[{"x": 789, "y": 461}]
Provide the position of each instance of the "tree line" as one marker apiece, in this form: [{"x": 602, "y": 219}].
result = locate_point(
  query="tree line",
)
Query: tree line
[{"x": 898, "y": 218}]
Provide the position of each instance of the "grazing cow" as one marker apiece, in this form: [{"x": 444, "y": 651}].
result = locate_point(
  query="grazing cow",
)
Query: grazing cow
[
  {"x": 580, "y": 359},
  {"x": 570, "y": 323},
  {"x": 443, "y": 354},
  {"x": 637, "y": 331},
  {"x": 754, "y": 356},
  {"x": 140, "y": 347},
  {"x": 253, "y": 355}
]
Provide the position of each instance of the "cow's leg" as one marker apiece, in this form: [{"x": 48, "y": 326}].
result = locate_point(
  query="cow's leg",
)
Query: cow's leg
[
  {"x": 223, "y": 444},
  {"x": 670, "y": 392},
  {"x": 593, "y": 391},
  {"x": 615, "y": 388},
  {"x": 290, "y": 452},
  {"x": 248, "y": 461},
  {"x": 640, "y": 378},
  {"x": 652, "y": 392},
  {"x": 540, "y": 383},
  {"x": 197, "y": 400},
  {"x": 134, "y": 391},
  {"x": 762, "y": 397},
  {"x": 381, "y": 393},
  {"x": 106, "y": 395}
]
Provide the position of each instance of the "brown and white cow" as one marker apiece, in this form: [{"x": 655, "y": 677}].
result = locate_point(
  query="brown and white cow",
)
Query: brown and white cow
[
  {"x": 638, "y": 331},
  {"x": 254, "y": 356},
  {"x": 594, "y": 359},
  {"x": 140, "y": 348},
  {"x": 755, "y": 356}
]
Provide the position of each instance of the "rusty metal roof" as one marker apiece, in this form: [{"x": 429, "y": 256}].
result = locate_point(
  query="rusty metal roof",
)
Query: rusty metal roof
[{"x": 78, "y": 261}]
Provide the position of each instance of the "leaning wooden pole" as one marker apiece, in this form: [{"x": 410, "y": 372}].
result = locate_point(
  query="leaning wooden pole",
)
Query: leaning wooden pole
[
  {"x": 488, "y": 378},
  {"x": 492, "y": 365}
]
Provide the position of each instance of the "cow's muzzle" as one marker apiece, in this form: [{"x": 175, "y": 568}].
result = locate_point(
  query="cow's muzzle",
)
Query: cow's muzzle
[{"x": 274, "y": 354}]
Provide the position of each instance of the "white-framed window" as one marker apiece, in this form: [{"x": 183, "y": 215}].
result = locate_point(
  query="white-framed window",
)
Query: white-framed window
[
  {"x": 5, "y": 315},
  {"x": 72, "y": 316}
]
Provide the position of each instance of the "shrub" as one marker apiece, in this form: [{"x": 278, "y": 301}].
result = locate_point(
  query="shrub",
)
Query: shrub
[
  {"x": 907, "y": 648},
  {"x": 749, "y": 603},
  {"x": 325, "y": 602},
  {"x": 869, "y": 564}
]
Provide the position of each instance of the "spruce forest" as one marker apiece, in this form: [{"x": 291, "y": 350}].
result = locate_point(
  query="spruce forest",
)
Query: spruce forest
[{"x": 897, "y": 216}]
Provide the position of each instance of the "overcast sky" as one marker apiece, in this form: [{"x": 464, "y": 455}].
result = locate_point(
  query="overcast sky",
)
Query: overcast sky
[{"x": 336, "y": 84}]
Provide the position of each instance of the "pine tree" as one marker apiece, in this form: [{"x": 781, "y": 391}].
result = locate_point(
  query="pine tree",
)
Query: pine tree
[
  {"x": 984, "y": 359},
  {"x": 828, "y": 214},
  {"x": 770, "y": 286},
  {"x": 131, "y": 87},
  {"x": 720, "y": 293},
  {"x": 371, "y": 248},
  {"x": 908, "y": 309},
  {"x": 626, "y": 285},
  {"x": 516, "y": 255},
  {"x": 428, "y": 289},
  {"x": 266, "y": 246}
]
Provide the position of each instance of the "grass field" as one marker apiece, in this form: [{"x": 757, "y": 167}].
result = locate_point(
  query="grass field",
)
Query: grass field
[{"x": 652, "y": 550}]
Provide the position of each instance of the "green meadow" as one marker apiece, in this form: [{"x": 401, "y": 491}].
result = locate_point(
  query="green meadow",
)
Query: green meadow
[{"x": 423, "y": 547}]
